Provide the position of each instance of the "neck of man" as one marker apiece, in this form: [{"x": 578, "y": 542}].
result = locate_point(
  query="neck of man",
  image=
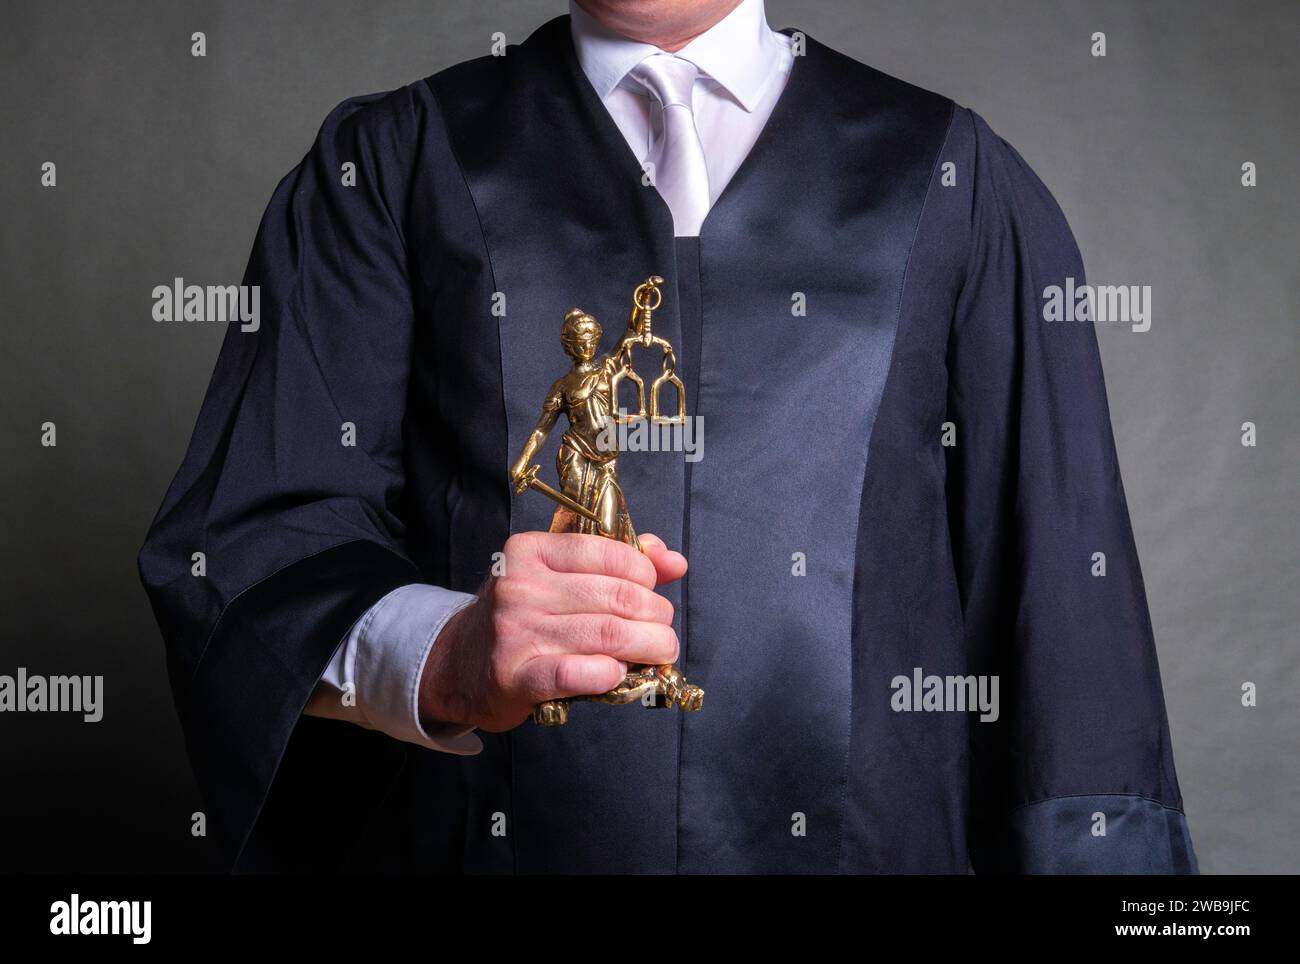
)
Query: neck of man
[{"x": 667, "y": 24}]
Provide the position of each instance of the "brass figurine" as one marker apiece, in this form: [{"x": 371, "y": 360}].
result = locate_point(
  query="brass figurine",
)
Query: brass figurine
[{"x": 590, "y": 499}]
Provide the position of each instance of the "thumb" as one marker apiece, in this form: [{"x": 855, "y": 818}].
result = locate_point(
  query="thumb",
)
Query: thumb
[{"x": 669, "y": 565}]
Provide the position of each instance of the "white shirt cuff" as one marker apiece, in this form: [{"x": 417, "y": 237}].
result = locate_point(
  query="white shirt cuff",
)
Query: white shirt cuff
[{"x": 384, "y": 656}]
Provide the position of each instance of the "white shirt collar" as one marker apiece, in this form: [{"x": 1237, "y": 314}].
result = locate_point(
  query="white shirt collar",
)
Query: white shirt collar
[{"x": 740, "y": 52}]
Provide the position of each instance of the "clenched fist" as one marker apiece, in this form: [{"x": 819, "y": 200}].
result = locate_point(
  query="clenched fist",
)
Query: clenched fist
[{"x": 567, "y": 617}]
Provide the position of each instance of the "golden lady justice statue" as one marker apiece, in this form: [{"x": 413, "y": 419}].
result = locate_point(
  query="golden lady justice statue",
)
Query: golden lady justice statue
[{"x": 590, "y": 498}]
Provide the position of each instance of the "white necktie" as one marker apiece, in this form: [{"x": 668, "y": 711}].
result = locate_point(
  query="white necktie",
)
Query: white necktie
[{"x": 680, "y": 174}]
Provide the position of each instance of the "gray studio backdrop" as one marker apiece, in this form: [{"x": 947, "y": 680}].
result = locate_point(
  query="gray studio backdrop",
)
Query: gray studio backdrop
[{"x": 165, "y": 162}]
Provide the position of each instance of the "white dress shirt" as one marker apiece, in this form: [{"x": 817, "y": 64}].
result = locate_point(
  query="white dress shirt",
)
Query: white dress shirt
[
  {"x": 743, "y": 64},
  {"x": 743, "y": 68}
]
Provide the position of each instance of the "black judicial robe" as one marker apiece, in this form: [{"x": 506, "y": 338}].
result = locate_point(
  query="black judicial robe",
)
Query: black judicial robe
[{"x": 505, "y": 176}]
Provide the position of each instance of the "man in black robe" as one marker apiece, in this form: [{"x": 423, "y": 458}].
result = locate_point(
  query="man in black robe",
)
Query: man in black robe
[{"x": 908, "y": 481}]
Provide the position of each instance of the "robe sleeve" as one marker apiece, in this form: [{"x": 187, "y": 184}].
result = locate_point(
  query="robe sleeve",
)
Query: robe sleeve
[
  {"x": 1076, "y": 775},
  {"x": 290, "y": 483}
]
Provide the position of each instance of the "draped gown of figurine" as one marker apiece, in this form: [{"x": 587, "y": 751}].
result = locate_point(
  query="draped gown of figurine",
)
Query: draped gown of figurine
[{"x": 587, "y": 463}]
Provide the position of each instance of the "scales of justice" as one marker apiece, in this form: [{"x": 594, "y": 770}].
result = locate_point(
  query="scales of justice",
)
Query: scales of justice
[{"x": 590, "y": 499}]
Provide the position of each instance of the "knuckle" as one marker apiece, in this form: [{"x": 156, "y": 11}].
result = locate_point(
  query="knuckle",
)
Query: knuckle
[
  {"x": 612, "y": 635},
  {"x": 521, "y": 544},
  {"x": 611, "y": 556},
  {"x": 565, "y": 676},
  {"x": 624, "y": 598},
  {"x": 508, "y": 592}
]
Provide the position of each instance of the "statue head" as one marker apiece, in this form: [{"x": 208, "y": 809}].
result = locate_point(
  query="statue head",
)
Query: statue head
[{"x": 580, "y": 335}]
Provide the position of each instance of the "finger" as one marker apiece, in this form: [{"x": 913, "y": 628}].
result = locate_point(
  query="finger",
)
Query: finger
[
  {"x": 629, "y": 640},
  {"x": 566, "y": 593},
  {"x": 669, "y": 565},
  {"x": 577, "y": 552},
  {"x": 565, "y": 674}
]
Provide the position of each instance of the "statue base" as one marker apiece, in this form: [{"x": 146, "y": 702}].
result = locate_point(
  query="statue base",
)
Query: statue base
[{"x": 651, "y": 686}]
